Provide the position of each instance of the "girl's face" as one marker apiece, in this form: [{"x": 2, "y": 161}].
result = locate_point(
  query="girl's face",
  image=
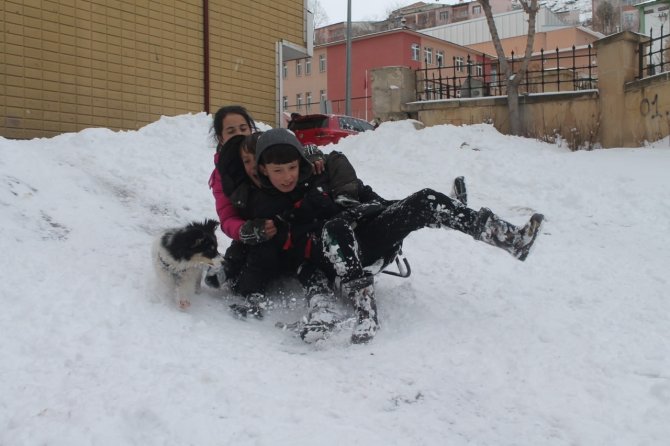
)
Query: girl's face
[
  {"x": 233, "y": 124},
  {"x": 249, "y": 161}
]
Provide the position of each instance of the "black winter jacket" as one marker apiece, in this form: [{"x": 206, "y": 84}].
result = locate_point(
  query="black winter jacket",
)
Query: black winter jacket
[{"x": 300, "y": 214}]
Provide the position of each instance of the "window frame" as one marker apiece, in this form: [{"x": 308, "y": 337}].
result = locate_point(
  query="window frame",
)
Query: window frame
[
  {"x": 428, "y": 55},
  {"x": 415, "y": 51},
  {"x": 459, "y": 63}
]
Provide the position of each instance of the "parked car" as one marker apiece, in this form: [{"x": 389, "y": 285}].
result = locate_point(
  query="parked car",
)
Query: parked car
[{"x": 323, "y": 129}]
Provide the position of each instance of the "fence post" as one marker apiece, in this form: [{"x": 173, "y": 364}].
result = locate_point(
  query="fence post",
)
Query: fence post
[
  {"x": 617, "y": 65},
  {"x": 542, "y": 68},
  {"x": 662, "y": 50},
  {"x": 558, "y": 69}
]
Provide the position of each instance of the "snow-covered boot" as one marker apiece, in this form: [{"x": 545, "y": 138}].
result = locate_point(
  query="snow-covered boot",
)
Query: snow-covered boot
[
  {"x": 490, "y": 229},
  {"x": 321, "y": 318},
  {"x": 459, "y": 190},
  {"x": 216, "y": 277},
  {"x": 252, "y": 306},
  {"x": 362, "y": 294}
]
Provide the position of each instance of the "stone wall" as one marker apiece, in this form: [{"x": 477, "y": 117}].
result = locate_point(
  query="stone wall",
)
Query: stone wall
[{"x": 622, "y": 112}]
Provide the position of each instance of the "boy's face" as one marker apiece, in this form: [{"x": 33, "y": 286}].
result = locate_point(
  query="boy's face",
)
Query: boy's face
[{"x": 284, "y": 177}]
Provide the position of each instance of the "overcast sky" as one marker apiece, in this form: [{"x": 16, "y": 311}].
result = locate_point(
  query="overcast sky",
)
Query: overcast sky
[{"x": 363, "y": 9}]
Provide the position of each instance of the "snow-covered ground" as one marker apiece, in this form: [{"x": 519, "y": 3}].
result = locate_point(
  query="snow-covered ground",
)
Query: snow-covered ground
[{"x": 571, "y": 347}]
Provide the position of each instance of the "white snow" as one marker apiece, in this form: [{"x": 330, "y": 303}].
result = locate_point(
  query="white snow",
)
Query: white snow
[{"x": 571, "y": 347}]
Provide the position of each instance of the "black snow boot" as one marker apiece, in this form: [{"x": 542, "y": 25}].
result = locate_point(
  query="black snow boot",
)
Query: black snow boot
[
  {"x": 252, "y": 306},
  {"x": 494, "y": 231},
  {"x": 321, "y": 317},
  {"x": 362, "y": 293},
  {"x": 459, "y": 190}
]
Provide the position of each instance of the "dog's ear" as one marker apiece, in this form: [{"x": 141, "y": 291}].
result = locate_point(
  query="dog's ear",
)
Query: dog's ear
[{"x": 211, "y": 225}]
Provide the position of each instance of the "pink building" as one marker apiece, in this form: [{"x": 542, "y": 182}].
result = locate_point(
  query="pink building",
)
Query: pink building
[{"x": 308, "y": 92}]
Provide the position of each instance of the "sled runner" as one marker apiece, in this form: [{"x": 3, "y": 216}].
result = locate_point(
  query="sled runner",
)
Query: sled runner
[{"x": 402, "y": 264}]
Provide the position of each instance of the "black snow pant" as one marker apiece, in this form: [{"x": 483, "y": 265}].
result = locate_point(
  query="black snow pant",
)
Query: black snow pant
[
  {"x": 426, "y": 208},
  {"x": 235, "y": 258},
  {"x": 264, "y": 262},
  {"x": 345, "y": 251}
]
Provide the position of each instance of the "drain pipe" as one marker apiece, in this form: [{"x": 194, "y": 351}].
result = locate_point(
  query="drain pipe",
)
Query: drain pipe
[{"x": 205, "y": 47}]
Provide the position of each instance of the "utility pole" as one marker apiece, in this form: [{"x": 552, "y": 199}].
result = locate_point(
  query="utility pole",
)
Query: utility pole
[{"x": 347, "y": 93}]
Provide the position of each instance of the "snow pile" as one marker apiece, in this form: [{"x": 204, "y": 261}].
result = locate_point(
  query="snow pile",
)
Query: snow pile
[{"x": 569, "y": 347}]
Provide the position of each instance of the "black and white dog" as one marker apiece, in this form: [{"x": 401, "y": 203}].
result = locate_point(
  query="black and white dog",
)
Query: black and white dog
[{"x": 180, "y": 256}]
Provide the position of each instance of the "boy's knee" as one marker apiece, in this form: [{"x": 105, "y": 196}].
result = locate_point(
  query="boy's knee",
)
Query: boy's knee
[
  {"x": 427, "y": 194},
  {"x": 337, "y": 226}
]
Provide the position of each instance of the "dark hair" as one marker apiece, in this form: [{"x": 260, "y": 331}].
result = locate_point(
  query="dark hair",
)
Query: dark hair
[
  {"x": 279, "y": 154},
  {"x": 230, "y": 167},
  {"x": 250, "y": 142},
  {"x": 217, "y": 125}
]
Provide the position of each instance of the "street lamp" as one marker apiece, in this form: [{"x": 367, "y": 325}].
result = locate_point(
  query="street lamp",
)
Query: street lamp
[{"x": 347, "y": 92}]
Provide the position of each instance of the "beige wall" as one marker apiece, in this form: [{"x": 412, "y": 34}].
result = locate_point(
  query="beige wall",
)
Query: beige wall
[
  {"x": 70, "y": 64},
  {"x": 549, "y": 41},
  {"x": 243, "y": 59},
  {"x": 573, "y": 116},
  {"x": 623, "y": 112}
]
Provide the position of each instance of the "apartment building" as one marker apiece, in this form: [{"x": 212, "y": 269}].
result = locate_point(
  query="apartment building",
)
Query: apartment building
[{"x": 322, "y": 86}]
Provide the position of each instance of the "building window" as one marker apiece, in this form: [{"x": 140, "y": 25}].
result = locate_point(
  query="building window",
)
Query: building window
[
  {"x": 444, "y": 16},
  {"x": 458, "y": 63},
  {"x": 308, "y": 97},
  {"x": 322, "y": 94},
  {"x": 298, "y": 67},
  {"x": 477, "y": 9},
  {"x": 479, "y": 70},
  {"x": 284, "y": 101},
  {"x": 322, "y": 63},
  {"x": 439, "y": 58},
  {"x": 308, "y": 66},
  {"x": 428, "y": 55},
  {"x": 285, "y": 70},
  {"x": 415, "y": 51},
  {"x": 298, "y": 101}
]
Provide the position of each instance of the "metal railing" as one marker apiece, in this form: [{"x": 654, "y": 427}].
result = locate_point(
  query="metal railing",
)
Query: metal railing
[
  {"x": 574, "y": 69},
  {"x": 653, "y": 55}
]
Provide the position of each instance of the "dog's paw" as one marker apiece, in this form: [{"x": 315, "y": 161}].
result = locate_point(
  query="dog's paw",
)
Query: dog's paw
[{"x": 184, "y": 304}]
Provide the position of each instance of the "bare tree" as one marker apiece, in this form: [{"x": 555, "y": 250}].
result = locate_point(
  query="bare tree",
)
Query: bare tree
[
  {"x": 514, "y": 78},
  {"x": 320, "y": 15},
  {"x": 607, "y": 17}
]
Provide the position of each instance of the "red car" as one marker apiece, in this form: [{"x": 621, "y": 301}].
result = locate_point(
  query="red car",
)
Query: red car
[{"x": 325, "y": 129}]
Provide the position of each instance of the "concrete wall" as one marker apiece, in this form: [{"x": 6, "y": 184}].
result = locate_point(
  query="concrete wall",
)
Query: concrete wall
[{"x": 623, "y": 112}]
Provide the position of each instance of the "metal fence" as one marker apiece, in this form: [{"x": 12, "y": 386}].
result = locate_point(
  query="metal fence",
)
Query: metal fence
[
  {"x": 574, "y": 69},
  {"x": 653, "y": 55}
]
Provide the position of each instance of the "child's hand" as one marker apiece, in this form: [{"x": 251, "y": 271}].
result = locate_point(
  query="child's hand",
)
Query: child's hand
[
  {"x": 270, "y": 229},
  {"x": 315, "y": 156},
  {"x": 319, "y": 167},
  {"x": 253, "y": 231}
]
